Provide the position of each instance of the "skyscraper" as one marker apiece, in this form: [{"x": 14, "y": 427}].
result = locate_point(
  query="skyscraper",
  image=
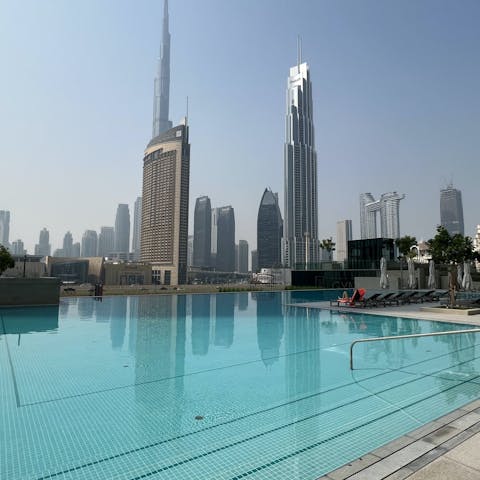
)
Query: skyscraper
[
  {"x": 164, "y": 237},
  {"x": 18, "y": 248},
  {"x": 106, "y": 241},
  {"x": 76, "y": 250},
  {"x": 387, "y": 207},
  {"x": 166, "y": 173},
  {"x": 269, "y": 231},
  {"x": 89, "y": 244},
  {"x": 161, "y": 96},
  {"x": 202, "y": 233},
  {"x": 43, "y": 246},
  {"x": 137, "y": 224},
  {"x": 213, "y": 238},
  {"x": 67, "y": 245},
  {"x": 344, "y": 235},
  {"x": 190, "y": 251},
  {"x": 300, "y": 235},
  {"x": 242, "y": 260},
  {"x": 4, "y": 227},
  {"x": 254, "y": 261},
  {"x": 451, "y": 210},
  {"x": 122, "y": 229},
  {"x": 368, "y": 217},
  {"x": 225, "y": 240}
]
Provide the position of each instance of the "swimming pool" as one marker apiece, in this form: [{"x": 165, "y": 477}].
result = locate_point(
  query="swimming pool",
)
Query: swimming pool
[{"x": 224, "y": 386}]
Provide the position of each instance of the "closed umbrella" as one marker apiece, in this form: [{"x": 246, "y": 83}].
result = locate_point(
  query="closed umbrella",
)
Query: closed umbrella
[
  {"x": 467, "y": 278},
  {"x": 383, "y": 273},
  {"x": 459, "y": 275},
  {"x": 411, "y": 273},
  {"x": 431, "y": 275}
]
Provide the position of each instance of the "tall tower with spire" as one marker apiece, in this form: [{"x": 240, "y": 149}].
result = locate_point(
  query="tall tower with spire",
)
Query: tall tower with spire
[
  {"x": 300, "y": 229},
  {"x": 166, "y": 179},
  {"x": 161, "y": 96}
]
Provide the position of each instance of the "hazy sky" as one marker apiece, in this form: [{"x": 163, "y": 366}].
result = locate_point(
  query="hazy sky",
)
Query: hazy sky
[{"x": 396, "y": 105}]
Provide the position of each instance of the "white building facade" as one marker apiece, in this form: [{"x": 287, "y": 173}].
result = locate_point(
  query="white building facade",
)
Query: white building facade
[{"x": 300, "y": 245}]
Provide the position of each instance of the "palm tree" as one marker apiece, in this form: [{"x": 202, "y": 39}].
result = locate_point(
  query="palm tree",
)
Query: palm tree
[
  {"x": 328, "y": 244},
  {"x": 452, "y": 250},
  {"x": 6, "y": 260}
]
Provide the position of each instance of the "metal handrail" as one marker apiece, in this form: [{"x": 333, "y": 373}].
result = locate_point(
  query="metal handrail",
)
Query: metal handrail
[{"x": 413, "y": 335}]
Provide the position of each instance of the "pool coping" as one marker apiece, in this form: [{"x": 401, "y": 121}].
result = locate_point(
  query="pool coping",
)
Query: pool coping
[
  {"x": 408, "y": 454},
  {"x": 429, "y": 451}
]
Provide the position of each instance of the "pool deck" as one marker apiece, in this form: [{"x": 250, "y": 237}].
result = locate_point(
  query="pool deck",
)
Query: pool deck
[{"x": 444, "y": 449}]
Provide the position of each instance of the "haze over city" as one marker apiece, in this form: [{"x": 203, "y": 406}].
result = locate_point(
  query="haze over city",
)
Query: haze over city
[{"x": 395, "y": 92}]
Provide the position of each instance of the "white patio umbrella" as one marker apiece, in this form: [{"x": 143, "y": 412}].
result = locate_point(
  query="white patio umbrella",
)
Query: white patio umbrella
[
  {"x": 459, "y": 275},
  {"x": 431, "y": 275},
  {"x": 411, "y": 273},
  {"x": 467, "y": 278},
  {"x": 383, "y": 273}
]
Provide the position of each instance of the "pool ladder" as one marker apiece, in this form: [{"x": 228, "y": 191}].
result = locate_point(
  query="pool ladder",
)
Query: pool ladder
[{"x": 413, "y": 335}]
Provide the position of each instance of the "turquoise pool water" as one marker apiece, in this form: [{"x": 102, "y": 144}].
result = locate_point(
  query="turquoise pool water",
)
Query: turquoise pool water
[{"x": 223, "y": 386}]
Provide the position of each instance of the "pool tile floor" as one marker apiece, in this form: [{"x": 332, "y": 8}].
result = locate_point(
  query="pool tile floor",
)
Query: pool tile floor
[{"x": 444, "y": 449}]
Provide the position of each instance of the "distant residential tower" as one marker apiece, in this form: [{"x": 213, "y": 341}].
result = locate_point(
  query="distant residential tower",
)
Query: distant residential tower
[
  {"x": 387, "y": 209},
  {"x": 269, "y": 231},
  {"x": 4, "y": 227},
  {"x": 451, "y": 210},
  {"x": 122, "y": 229},
  {"x": 43, "y": 246},
  {"x": 344, "y": 235},
  {"x": 225, "y": 261},
  {"x": 202, "y": 233},
  {"x": 137, "y": 223}
]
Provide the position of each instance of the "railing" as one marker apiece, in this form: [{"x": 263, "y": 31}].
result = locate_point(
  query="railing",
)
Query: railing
[{"x": 413, "y": 335}]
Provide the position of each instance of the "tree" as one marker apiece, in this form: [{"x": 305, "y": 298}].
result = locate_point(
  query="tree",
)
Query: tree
[
  {"x": 405, "y": 244},
  {"x": 327, "y": 244},
  {"x": 6, "y": 260},
  {"x": 452, "y": 250}
]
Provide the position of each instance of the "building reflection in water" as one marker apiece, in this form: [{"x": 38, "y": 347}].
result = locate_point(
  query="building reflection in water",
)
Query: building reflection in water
[
  {"x": 461, "y": 368},
  {"x": 118, "y": 321},
  {"x": 86, "y": 307},
  {"x": 224, "y": 319},
  {"x": 132, "y": 324},
  {"x": 302, "y": 379},
  {"x": 160, "y": 356},
  {"x": 103, "y": 309},
  {"x": 63, "y": 307},
  {"x": 269, "y": 325},
  {"x": 241, "y": 300},
  {"x": 200, "y": 324}
]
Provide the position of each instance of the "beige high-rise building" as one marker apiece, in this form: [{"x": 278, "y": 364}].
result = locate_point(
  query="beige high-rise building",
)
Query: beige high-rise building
[
  {"x": 164, "y": 236},
  {"x": 166, "y": 174}
]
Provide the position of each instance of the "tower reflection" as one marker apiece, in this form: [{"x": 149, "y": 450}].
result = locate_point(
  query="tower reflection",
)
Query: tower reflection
[
  {"x": 269, "y": 325},
  {"x": 200, "y": 324},
  {"x": 224, "y": 319},
  {"x": 118, "y": 321}
]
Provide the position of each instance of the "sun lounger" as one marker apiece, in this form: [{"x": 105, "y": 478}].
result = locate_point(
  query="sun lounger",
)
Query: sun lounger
[
  {"x": 420, "y": 296},
  {"x": 384, "y": 298},
  {"x": 349, "y": 301},
  {"x": 370, "y": 299},
  {"x": 396, "y": 298}
]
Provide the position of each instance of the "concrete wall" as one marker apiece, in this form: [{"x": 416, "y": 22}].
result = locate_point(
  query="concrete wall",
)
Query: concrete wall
[
  {"x": 29, "y": 291},
  {"x": 32, "y": 270}
]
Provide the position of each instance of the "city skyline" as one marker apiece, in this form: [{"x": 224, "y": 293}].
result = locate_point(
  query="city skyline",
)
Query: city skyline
[{"x": 390, "y": 104}]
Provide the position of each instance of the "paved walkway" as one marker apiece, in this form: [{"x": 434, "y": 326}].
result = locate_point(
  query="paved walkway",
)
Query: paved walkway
[{"x": 445, "y": 449}]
